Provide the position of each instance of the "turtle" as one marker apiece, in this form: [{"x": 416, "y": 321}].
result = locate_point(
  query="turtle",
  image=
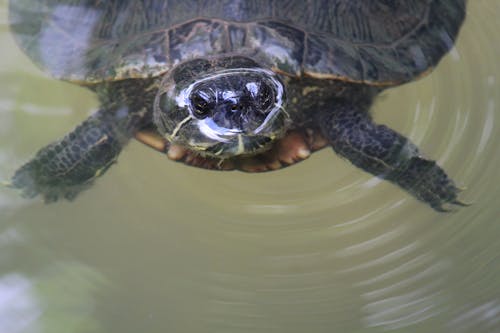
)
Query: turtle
[{"x": 252, "y": 85}]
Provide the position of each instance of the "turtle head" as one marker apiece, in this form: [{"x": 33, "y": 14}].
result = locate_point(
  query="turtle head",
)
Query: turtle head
[{"x": 221, "y": 108}]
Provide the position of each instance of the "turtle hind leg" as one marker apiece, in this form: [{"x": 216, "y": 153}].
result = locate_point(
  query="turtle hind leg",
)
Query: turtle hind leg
[
  {"x": 383, "y": 152},
  {"x": 66, "y": 167}
]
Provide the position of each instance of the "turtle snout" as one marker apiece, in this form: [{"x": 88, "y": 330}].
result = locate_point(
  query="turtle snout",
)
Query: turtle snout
[{"x": 239, "y": 117}]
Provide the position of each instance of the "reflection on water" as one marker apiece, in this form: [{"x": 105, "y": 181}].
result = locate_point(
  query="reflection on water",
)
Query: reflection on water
[
  {"x": 19, "y": 310},
  {"x": 483, "y": 317},
  {"x": 317, "y": 247},
  {"x": 42, "y": 292}
]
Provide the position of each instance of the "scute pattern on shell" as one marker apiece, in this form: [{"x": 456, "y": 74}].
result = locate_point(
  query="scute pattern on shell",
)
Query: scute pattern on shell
[{"x": 378, "y": 42}]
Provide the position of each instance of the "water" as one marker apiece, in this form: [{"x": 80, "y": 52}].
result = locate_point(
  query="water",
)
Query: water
[{"x": 156, "y": 246}]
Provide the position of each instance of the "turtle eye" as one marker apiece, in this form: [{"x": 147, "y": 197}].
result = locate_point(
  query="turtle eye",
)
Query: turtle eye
[{"x": 202, "y": 104}]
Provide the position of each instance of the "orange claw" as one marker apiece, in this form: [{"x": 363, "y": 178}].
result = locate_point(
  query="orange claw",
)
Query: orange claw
[
  {"x": 296, "y": 146},
  {"x": 152, "y": 139}
]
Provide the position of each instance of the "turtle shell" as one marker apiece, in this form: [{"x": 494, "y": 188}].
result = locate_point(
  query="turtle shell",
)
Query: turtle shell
[{"x": 378, "y": 42}]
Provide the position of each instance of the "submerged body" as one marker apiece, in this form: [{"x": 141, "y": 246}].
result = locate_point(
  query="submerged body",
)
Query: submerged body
[{"x": 252, "y": 85}]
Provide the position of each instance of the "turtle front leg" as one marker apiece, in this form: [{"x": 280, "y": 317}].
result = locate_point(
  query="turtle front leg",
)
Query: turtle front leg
[
  {"x": 383, "y": 152},
  {"x": 66, "y": 167}
]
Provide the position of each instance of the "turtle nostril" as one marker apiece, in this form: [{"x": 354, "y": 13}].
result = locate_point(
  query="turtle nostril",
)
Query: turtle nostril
[{"x": 234, "y": 108}]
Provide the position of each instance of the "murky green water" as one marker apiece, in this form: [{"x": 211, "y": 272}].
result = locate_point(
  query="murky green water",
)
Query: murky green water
[{"x": 156, "y": 246}]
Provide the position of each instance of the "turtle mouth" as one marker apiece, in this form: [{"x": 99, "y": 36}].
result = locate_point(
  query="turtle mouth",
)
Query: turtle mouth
[
  {"x": 239, "y": 145},
  {"x": 207, "y": 138}
]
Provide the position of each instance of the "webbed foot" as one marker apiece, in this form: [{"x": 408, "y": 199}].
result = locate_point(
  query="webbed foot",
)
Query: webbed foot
[
  {"x": 58, "y": 172},
  {"x": 64, "y": 168},
  {"x": 31, "y": 184},
  {"x": 427, "y": 181},
  {"x": 383, "y": 152}
]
